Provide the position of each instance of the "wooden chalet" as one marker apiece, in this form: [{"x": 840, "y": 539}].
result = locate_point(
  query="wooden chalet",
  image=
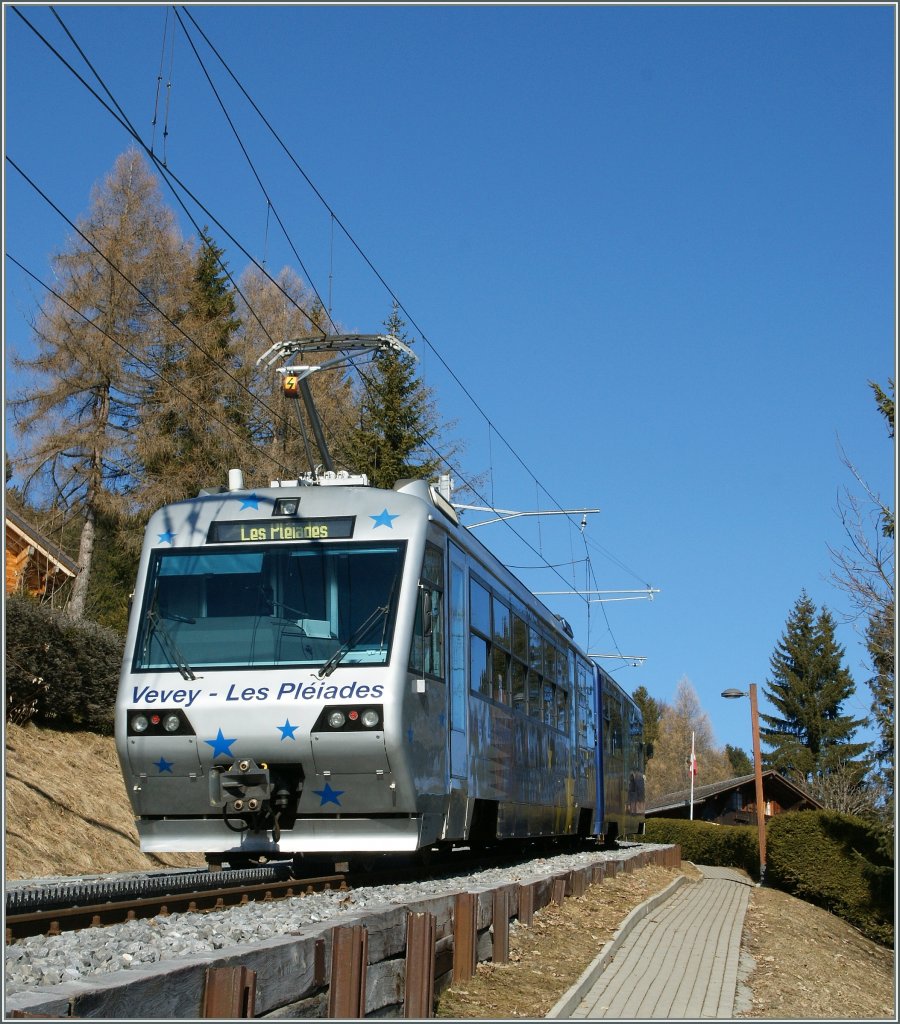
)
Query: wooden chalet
[
  {"x": 34, "y": 565},
  {"x": 733, "y": 802}
]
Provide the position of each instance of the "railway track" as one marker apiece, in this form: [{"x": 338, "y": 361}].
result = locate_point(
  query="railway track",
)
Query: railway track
[
  {"x": 122, "y": 906},
  {"x": 58, "y": 908}
]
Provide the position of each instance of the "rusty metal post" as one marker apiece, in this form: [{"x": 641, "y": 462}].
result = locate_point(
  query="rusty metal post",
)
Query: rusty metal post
[
  {"x": 229, "y": 993},
  {"x": 418, "y": 999},
  {"x": 500, "y": 950},
  {"x": 349, "y": 957},
  {"x": 464, "y": 936}
]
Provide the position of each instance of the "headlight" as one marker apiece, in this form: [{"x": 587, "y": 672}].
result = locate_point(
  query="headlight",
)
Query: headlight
[
  {"x": 140, "y": 723},
  {"x": 370, "y": 719},
  {"x": 171, "y": 723},
  {"x": 336, "y": 719}
]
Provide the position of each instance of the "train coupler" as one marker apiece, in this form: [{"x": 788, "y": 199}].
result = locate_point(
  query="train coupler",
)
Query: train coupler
[{"x": 241, "y": 789}]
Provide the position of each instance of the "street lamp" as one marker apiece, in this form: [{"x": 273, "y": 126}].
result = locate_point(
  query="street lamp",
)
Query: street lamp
[{"x": 757, "y": 764}]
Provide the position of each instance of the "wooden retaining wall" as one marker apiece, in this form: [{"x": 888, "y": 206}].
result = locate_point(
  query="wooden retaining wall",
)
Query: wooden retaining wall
[{"x": 388, "y": 962}]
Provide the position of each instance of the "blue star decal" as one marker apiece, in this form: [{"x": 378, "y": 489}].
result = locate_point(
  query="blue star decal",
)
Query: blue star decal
[
  {"x": 329, "y": 795},
  {"x": 166, "y": 538},
  {"x": 288, "y": 730},
  {"x": 164, "y": 766},
  {"x": 384, "y": 519},
  {"x": 251, "y": 502},
  {"x": 221, "y": 746}
]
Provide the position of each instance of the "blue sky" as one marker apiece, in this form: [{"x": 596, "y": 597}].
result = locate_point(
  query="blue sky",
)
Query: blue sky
[{"x": 655, "y": 244}]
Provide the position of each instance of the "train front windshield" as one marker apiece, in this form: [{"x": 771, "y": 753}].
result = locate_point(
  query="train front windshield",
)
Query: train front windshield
[{"x": 269, "y": 606}]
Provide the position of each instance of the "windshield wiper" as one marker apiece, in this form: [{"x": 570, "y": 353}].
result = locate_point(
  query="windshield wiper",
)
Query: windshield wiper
[
  {"x": 354, "y": 639},
  {"x": 164, "y": 637}
]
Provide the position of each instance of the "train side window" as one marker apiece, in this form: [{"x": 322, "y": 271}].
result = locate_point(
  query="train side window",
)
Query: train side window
[
  {"x": 434, "y": 633},
  {"x": 549, "y": 708},
  {"x": 500, "y": 667},
  {"x": 519, "y": 693},
  {"x": 519, "y": 639},
  {"x": 481, "y": 679},
  {"x": 536, "y": 651},
  {"x": 501, "y": 630},
  {"x": 480, "y": 608},
  {"x": 562, "y": 709},
  {"x": 534, "y": 694},
  {"x": 426, "y": 654}
]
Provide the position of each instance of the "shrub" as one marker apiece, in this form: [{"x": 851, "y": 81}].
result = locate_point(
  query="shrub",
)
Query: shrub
[
  {"x": 703, "y": 842},
  {"x": 60, "y": 672},
  {"x": 840, "y": 863},
  {"x": 837, "y": 862}
]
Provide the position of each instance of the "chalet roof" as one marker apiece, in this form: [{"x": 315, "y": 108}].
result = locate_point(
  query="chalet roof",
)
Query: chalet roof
[
  {"x": 37, "y": 540},
  {"x": 771, "y": 778}
]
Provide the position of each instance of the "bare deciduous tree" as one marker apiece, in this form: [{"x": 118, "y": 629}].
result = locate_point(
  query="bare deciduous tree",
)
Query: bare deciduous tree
[
  {"x": 864, "y": 570},
  {"x": 669, "y": 769},
  {"x": 78, "y": 411}
]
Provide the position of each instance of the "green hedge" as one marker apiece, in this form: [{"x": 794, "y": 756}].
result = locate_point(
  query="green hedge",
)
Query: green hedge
[
  {"x": 702, "y": 842},
  {"x": 838, "y": 862},
  {"x": 59, "y": 672}
]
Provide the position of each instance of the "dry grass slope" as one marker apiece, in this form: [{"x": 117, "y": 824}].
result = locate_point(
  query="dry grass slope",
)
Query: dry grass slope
[{"x": 67, "y": 812}]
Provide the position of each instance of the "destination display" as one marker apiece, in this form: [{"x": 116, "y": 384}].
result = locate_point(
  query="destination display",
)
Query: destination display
[{"x": 261, "y": 531}]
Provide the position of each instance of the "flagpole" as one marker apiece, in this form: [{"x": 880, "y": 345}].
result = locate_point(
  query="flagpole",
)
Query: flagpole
[{"x": 693, "y": 771}]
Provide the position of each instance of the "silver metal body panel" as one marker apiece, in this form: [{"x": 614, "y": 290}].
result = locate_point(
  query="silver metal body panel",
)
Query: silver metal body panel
[{"x": 415, "y": 781}]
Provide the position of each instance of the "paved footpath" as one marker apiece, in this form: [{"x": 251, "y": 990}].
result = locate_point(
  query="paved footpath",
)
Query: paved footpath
[{"x": 677, "y": 957}]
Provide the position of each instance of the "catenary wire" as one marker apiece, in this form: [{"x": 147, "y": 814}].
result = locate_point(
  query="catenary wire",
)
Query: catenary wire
[
  {"x": 168, "y": 175},
  {"x": 175, "y": 387},
  {"x": 276, "y": 416},
  {"x": 343, "y": 228},
  {"x": 369, "y": 263}
]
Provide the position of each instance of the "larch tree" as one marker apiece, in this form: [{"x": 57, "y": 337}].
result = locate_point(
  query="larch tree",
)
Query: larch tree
[
  {"x": 669, "y": 769},
  {"x": 77, "y": 413},
  {"x": 809, "y": 736},
  {"x": 280, "y": 433}
]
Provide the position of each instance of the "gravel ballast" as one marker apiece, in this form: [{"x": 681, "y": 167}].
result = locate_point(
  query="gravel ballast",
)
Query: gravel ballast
[{"x": 74, "y": 956}]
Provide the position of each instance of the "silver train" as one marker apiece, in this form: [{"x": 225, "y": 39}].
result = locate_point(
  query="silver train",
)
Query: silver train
[{"x": 329, "y": 670}]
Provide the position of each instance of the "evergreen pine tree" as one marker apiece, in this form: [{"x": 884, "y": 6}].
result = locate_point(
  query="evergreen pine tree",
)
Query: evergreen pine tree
[
  {"x": 739, "y": 760},
  {"x": 651, "y": 711},
  {"x": 398, "y": 427},
  {"x": 190, "y": 415},
  {"x": 809, "y": 736}
]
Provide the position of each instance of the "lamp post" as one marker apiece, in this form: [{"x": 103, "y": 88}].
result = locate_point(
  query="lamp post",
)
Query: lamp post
[{"x": 757, "y": 765}]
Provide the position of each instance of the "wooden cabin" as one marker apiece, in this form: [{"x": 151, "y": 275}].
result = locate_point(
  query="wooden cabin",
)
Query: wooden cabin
[
  {"x": 35, "y": 566},
  {"x": 733, "y": 802}
]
